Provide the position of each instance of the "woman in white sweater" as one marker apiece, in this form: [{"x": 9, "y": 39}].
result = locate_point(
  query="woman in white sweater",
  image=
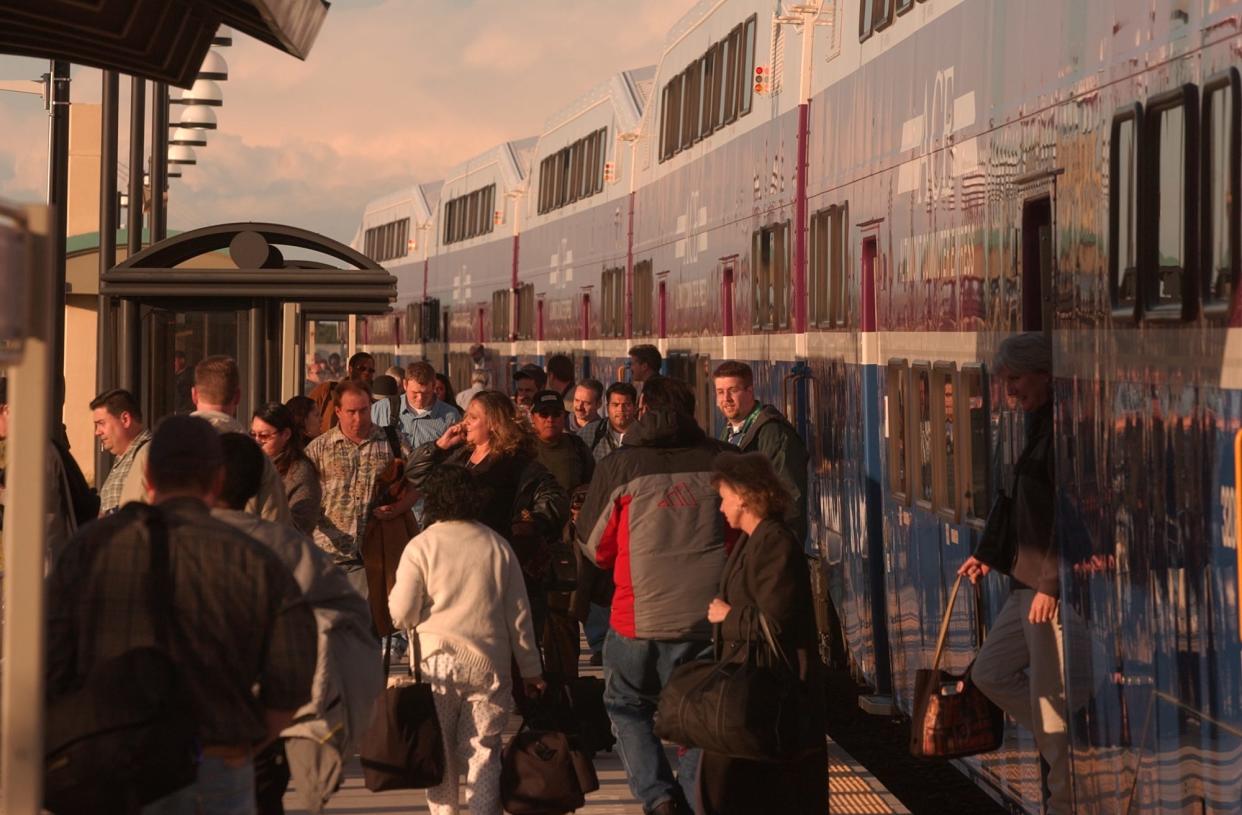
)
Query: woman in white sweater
[{"x": 459, "y": 586}]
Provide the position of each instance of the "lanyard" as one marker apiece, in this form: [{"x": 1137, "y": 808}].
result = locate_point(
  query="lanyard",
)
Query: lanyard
[{"x": 741, "y": 434}]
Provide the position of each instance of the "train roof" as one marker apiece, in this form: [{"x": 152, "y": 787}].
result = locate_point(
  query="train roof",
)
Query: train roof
[
  {"x": 512, "y": 157},
  {"x": 629, "y": 91}
]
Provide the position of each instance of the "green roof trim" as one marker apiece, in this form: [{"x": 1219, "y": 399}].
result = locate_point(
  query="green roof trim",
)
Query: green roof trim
[{"x": 89, "y": 241}]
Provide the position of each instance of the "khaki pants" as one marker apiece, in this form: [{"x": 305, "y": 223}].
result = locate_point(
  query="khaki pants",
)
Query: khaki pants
[{"x": 1021, "y": 669}]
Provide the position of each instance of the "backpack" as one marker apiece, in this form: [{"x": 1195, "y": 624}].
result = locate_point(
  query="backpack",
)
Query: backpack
[{"x": 82, "y": 500}]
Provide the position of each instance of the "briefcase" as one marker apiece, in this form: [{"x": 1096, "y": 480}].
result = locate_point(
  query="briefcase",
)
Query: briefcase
[
  {"x": 952, "y": 717},
  {"x": 544, "y": 773}
]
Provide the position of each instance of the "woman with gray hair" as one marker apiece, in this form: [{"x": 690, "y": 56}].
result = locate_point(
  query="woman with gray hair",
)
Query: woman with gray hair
[{"x": 1020, "y": 664}]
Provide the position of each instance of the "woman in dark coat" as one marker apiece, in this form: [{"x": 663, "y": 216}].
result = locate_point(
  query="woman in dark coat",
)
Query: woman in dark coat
[
  {"x": 521, "y": 501},
  {"x": 278, "y": 433},
  {"x": 767, "y": 572}
]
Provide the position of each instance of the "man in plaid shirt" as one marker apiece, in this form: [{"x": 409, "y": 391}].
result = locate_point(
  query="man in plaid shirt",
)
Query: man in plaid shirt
[
  {"x": 119, "y": 428},
  {"x": 240, "y": 630}
]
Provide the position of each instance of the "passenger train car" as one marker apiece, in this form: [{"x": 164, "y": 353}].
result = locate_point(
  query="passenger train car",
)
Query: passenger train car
[{"x": 862, "y": 198}]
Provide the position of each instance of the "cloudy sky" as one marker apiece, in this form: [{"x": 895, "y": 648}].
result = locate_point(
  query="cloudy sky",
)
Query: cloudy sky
[{"x": 394, "y": 91}]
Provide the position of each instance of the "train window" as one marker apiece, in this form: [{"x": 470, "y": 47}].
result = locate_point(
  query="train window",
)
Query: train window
[
  {"x": 837, "y": 265},
  {"x": 602, "y": 136},
  {"x": 689, "y": 107},
  {"x": 904, "y": 5},
  {"x": 500, "y": 314},
  {"x": 973, "y": 443},
  {"x": 1123, "y": 209},
  {"x": 922, "y": 396},
  {"x": 707, "y": 86},
  {"x": 672, "y": 131},
  {"x": 526, "y": 311},
  {"x": 575, "y": 172},
  {"x": 817, "y": 288},
  {"x": 746, "y": 68},
  {"x": 760, "y": 268},
  {"x": 728, "y": 82},
  {"x": 1167, "y": 237},
  {"x": 897, "y": 393},
  {"x": 778, "y": 295},
  {"x": 719, "y": 53},
  {"x": 643, "y": 286},
  {"x": 612, "y": 306},
  {"x": 882, "y": 14},
  {"x": 866, "y": 10},
  {"x": 944, "y": 439},
  {"x": 1222, "y": 135}
]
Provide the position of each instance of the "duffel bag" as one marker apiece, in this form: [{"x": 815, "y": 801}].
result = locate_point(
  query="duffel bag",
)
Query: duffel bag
[
  {"x": 403, "y": 747},
  {"x": 544, "y": 773},
  {"x": 752, "y": 708}
]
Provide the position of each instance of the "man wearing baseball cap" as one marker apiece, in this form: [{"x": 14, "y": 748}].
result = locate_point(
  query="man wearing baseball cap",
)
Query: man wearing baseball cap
[{"x": 569, "y": 460}]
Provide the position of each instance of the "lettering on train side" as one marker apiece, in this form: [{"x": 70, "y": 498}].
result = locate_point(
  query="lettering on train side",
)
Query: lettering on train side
[
  {"x": 944, "y": 253},
  {"x": 945, "y": 114}
]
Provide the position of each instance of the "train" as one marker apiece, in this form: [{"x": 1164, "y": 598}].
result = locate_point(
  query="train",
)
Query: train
[{"x": 862, "y": 198}]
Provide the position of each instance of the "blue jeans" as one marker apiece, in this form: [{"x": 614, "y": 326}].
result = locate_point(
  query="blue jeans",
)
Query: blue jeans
[
  {"x": 221, "y": 789},
  {"x": 635, "y": 671},
  {"x": 596, "y": 627}
]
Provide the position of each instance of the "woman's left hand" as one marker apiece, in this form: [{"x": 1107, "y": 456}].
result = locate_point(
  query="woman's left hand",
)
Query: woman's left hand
[
  {"x": 1043, "y": 608},
  {"x": 717, "y": 610}
]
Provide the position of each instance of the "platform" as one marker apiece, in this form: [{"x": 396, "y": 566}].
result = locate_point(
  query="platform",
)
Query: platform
[{"x": 852, "y": 790}]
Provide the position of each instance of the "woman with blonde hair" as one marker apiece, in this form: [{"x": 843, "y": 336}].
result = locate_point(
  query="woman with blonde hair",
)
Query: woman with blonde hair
[
  {"x": 519, "y": 499},
  {"x": 767, "y": 574}
]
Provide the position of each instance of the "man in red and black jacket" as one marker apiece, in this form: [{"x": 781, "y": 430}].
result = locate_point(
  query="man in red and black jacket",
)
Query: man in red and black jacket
[{"x": 653, "y": 518}]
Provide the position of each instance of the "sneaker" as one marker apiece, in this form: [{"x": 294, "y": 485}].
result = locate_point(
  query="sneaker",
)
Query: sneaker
[{"x": 597, "y": 658}]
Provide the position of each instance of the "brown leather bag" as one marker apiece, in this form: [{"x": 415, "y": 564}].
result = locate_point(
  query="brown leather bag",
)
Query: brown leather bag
[
  {"x": 384, "y": 541},
  {"x": 952, "y": 717}
]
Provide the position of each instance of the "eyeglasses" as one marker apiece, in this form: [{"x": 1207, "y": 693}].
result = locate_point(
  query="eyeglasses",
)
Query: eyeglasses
[{"x": 263, "y": 437}]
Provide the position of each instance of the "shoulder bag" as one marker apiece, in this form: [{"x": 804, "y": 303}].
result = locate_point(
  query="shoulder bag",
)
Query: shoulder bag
[
  {"x": 951, "y": 716},
  {"x": 128, "y": 736},
  {"x": 543, "y": 769},
  {"x": 403, "y": 748},
  {"x": 752, "y": 708}
]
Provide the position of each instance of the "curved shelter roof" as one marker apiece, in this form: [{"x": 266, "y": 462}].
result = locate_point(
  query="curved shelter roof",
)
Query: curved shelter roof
[
  {"x": 359, "y": 285},
  {"x": 165, "y": 40}
]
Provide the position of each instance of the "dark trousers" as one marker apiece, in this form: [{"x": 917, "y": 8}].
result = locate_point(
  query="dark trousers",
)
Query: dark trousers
[
  {"x": 561, "y": 644},
  {"x": 271, "y": 779}
]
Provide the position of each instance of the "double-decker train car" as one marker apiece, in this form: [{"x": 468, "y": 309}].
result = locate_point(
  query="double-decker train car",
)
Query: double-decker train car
[{"x": 862, "y": 198}]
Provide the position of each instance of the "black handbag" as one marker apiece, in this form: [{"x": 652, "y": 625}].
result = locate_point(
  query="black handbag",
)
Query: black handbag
[
  {"x": 753, "y": 708},
  {"x": 403, "y": 747},
  {"x": 128, "y": 736},
  {"x": 952, "y": 717}
]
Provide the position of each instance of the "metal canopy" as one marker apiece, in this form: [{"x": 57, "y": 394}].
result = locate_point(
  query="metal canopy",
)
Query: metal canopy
[
  {"x": 165, "y": 40},
  {"x": 363, "y": 287}
]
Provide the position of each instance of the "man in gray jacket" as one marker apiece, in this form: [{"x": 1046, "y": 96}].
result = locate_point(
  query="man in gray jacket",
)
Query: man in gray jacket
[
  {"x": 652, "y": 516},
  {"x": 348, "y": 677},
  {"x": 755, "y": 427}
]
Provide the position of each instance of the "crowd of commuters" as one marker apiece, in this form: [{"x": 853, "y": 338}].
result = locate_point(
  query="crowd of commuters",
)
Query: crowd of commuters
[{"x": 679, "y": 539}]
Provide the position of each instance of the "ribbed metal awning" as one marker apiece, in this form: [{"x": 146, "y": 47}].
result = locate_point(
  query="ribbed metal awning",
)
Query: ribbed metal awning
[
  {"x": 360, "y": 287},
  {"x": 165, "y": 40}
]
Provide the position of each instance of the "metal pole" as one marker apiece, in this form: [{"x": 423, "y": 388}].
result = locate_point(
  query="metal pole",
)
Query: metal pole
[
  {"x": 23, "y": 694},
  {"x": 127, "y": 373},
  {"x": 58, "y": 200},
  {"x": 159, "y": 161},
  {"x": 105, "y": 350}
]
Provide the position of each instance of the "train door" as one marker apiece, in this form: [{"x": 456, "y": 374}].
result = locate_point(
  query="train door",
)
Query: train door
[
  {"x": 1037, "y": 263},
  {"x": 663, "y": 308},
  {"x": 874, "y": 549},
  {"x": 726, "y": 297}
]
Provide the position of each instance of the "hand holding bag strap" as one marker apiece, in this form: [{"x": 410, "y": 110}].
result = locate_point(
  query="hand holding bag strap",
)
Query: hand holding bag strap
[
  {"x": 774, "y": 644},
  {"x": 944, "y": 624}
]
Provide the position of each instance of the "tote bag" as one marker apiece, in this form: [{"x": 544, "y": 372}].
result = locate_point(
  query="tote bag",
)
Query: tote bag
[
  {"x": 952, "y": 717},
  {"x": 403, "y": 747}
]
